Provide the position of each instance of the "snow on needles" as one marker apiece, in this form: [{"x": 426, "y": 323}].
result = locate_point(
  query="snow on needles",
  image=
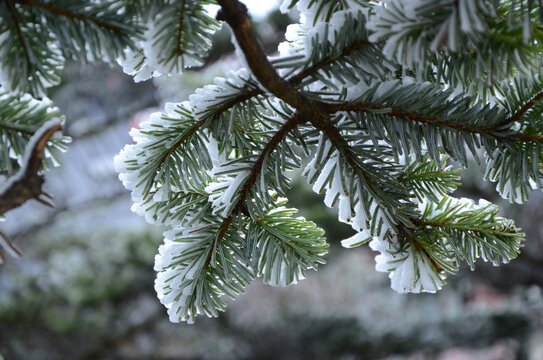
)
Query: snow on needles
[
  {"x": 133, "y": 64},
  {"x": 398, "y": 22},
  {"x": 205, "y": 99},
  {"x": 410, "y": 270}
]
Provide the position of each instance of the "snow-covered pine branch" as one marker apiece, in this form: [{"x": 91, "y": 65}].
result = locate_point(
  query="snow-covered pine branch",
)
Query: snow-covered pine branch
[
  {"x": 370, "y": 98},
  {"x": 376, "y": 146}
]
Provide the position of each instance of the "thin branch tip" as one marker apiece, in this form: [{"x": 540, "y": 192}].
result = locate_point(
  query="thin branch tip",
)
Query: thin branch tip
[{"x": 28, "y": 182}]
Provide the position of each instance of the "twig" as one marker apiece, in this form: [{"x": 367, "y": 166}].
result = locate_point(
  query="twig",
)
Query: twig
[
  {"x": 7, "y": 244},
  {"x": 27, "y": 184}
]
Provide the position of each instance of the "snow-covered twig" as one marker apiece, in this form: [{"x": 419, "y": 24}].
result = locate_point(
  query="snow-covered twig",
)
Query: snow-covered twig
[{"x": 26, "y": 183}]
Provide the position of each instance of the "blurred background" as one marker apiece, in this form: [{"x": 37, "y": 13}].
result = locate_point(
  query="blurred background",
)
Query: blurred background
[{"x": 84, "y": 286}]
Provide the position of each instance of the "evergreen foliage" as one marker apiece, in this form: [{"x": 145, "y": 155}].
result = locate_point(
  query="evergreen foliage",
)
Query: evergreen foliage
[{"x": 364, "y": 98}]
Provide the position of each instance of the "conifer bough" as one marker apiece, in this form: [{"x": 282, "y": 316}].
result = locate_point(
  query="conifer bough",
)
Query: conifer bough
[{"x": 369, "y": 99}]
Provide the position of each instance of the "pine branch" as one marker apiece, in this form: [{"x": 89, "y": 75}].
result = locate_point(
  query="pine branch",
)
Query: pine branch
[
  {"x": 178, "y": 36},
  {"x": 223, "y": 228},
  {"x": 20, "y": 118},
  {"x": 430, "y": 179},
  {"x": 471, "y": 231},
  {"x": 390, "y": 195},
  {"x": 168, "y": 153},
  {"x": 197, "y": 266},
  {"x": 70, "y": 14},
  {"x": 249, "y": 92},
  {"x": 18, "y": 32},
  {"x": 297, "y": 79},
  {"x": 323, "y": 63},
  {"x": 255, "y": 171},
  {"x": 375, "y": 144},
  {"x": 526, "y": 107},
  {"x": 457, "y": 42},
  {"x": 186, "y": 135},
  {"x": 286, "y": 246},
  {"x": 235, "y": 14},
  {"x": 491, "y": 131},
  {"x": 29, "y": 61}
]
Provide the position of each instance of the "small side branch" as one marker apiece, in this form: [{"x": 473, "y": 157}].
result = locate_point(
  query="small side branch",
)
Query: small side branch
[
  {"x": 69, "y": 14},
  {"x": 256, "y": 169},
  {"x": 26, "y": 48},
  {"x": 516, "y": 116},
  {"x": 268, "y": 149},
  {"x": 7, "y": 245},
  {"x": 429, "y": 120},
  {"x": 311, "y": 70},
  {"x": 27, "y": 182}
]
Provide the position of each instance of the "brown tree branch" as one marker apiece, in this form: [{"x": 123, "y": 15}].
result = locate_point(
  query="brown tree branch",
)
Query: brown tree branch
[
  {"x": 427, "y": 119},
  {"x": 270, "y": 147},
  {"x": 308, "y": 110},
  {"x": 27, "y": 182},
  {"x": 315, "y": 112}
]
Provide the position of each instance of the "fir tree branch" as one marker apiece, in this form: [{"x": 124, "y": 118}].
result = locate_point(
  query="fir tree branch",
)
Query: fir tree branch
[
  {"x": 473, "y": 228},
  {"x": 296, "y": 79},
  {"x": 520, "y": 112},
  {"x": 403, "y": 114},
  {"x": 235, "y": 13},
  {"x": 287, "y": 127},
  {"x": 69, "y": 14},
  {"x": 22, "y": 40},
  {"x": 28, "y": 185},
  {"x": 188, "y": 133},
  {"x": 223, "y": 228},
  {"x": 387, "y": 200},
  {"x": 255, "y": 171},
  {"x": 432, "y": 120},
  {"x": 353, "y": 47}
]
